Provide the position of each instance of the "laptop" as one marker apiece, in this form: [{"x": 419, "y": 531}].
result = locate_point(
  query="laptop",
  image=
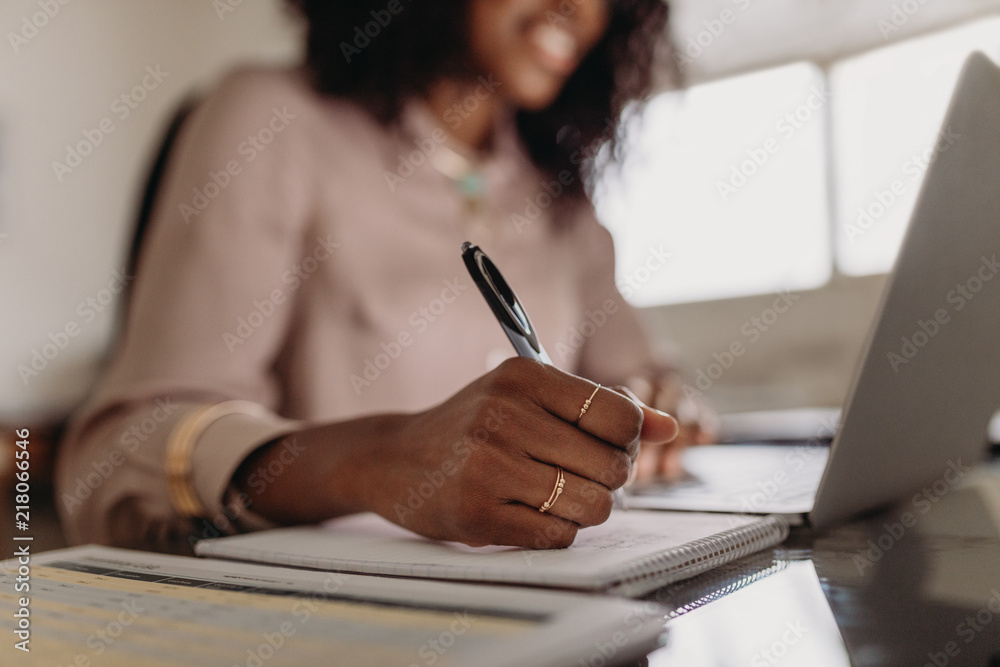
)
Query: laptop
[{"x": 916, "y": 418}]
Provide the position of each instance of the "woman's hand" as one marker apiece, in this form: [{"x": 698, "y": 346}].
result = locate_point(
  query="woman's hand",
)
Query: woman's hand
[
  {"x": 476, "y": 468},
  {"x": 698, "y": 425}
]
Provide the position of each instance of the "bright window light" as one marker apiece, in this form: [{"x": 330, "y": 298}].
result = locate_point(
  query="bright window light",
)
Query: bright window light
[
  {"x": 887, "y": 107},
  {"x": 730, "y": 179}
]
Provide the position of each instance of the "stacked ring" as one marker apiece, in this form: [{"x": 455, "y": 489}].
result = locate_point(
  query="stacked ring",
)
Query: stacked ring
[{"x": 556, "y": 491}]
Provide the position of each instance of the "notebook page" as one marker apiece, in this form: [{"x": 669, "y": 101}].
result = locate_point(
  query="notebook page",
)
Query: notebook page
[{"x": 626, "y": 545}]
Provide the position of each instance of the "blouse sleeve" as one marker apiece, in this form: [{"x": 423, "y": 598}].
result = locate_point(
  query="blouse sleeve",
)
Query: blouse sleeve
[{"x": 207, "y": 320}]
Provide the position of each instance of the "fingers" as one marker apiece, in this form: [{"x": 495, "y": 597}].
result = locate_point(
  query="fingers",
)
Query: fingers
[
  {"x": 660, "y": 461},
  {"x": 610, "y": 416},
  {"x": 518, "y": 522},
  {"x": 582, "y": 501},
  {"x": 669, "y": 462},
  {"x": 540, "y": 438},
  {"x": 533, "y": 529},
  {"x": 658, "y": 427},
  {"x": 647, "y": 463}
]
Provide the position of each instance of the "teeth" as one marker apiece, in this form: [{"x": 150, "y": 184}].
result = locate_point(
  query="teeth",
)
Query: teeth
[{"x": 556, "y": 41}]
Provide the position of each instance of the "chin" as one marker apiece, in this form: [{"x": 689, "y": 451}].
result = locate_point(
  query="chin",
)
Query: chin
[{"x": 534, "y": 93}]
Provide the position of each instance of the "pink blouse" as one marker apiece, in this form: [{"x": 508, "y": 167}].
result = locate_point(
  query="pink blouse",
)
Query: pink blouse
[{"x": 306, "y": 258}]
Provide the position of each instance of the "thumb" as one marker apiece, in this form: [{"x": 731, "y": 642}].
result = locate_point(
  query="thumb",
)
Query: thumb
[{"x": 657, "y": 427}]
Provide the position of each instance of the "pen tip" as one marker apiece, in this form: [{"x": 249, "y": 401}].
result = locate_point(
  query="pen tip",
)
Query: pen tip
[{"x": 466, "y": 246}]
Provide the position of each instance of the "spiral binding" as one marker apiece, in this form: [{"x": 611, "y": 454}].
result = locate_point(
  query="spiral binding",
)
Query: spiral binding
[
  {"x": 718, "y": 584},
  {"x": 700, "y": 556}
]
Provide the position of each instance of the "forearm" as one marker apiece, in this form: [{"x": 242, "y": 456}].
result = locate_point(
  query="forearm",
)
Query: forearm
[{"x": 320, "y": 472}]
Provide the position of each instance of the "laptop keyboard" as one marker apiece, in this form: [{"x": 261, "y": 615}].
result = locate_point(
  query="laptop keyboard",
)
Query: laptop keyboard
[{"x": 741, "y": 478}]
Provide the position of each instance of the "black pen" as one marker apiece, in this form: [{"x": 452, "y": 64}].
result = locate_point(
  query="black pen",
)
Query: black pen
[
  {"x": 510, "y": 313},
  {"x": 504, "y": 304}
]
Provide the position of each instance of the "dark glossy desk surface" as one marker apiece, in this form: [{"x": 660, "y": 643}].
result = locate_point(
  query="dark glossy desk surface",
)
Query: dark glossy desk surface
[
  {"x": 874, "y": 592},
  {"x": 868, "y": 593}
]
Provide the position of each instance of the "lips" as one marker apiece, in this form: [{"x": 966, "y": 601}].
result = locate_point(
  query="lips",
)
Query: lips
[{"x": 555, "y": 47}]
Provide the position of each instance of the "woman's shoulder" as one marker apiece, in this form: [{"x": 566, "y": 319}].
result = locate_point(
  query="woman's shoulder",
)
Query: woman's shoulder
[{"x": 261, "y": 93}]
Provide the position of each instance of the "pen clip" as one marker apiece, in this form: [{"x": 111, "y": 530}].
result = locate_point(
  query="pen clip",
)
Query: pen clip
[{"x": 504, "y": 303}]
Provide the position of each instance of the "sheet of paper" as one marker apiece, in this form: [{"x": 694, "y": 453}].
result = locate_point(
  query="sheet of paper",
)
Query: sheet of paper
[
  {"x": 89, "y": 611},
  {"x": 93, "y": 606}
]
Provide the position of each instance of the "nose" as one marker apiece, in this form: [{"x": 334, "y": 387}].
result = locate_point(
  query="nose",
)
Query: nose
[{"x": 588, "y": 18}]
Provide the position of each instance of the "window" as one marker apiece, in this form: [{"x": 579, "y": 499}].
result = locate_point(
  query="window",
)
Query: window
[
  {"x": 733, "y": 178},
  {"x": 729, "y": 179},
  {"x": 888, "y": 107}
]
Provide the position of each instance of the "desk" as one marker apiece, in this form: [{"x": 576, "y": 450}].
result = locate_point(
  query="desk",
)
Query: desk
[{"x": 873, "y": 592}]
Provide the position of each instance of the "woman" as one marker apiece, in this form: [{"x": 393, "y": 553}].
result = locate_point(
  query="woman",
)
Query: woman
[{"x": 302, "y": 342}]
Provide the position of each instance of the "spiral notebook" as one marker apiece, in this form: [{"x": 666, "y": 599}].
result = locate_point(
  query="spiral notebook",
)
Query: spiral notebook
[{"x": 631, "y": 554}]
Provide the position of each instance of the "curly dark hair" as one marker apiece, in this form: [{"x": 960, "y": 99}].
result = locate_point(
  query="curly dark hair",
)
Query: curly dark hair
[{"x": 428, "y": 40}]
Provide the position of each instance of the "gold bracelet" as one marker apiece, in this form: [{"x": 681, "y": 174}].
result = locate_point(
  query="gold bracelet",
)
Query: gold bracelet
[{"x": 180, "y": 447}]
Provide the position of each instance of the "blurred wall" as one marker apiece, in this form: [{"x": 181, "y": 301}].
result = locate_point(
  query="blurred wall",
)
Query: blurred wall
[
  {"x": 804, "y": 356},
  {"x": 726, "y": 37},
  {"x": 63, "y": 235}
]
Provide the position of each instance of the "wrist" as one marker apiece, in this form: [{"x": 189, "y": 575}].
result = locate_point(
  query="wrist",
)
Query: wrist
[{"x": 320, "y": 472}]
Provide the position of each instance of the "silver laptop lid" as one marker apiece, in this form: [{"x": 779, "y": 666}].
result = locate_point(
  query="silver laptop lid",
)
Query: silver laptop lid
[{"x": 930, "y": 377}]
